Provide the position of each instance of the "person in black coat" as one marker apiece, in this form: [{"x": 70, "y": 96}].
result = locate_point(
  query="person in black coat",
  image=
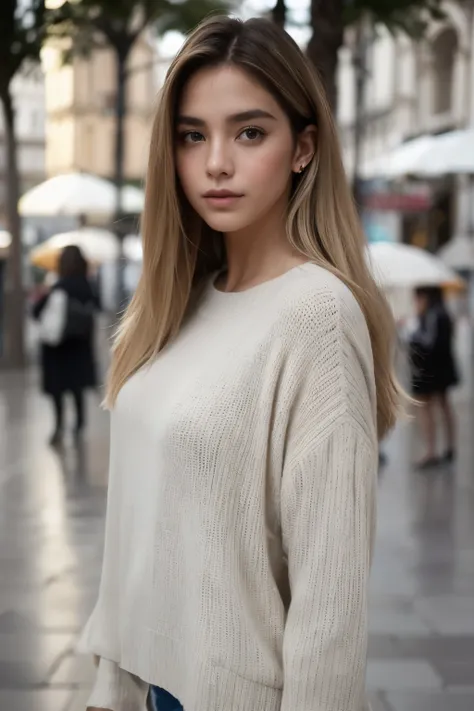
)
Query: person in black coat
[
  {"x": 434, "y": 370},
  {"x": 70, "y": 366}
]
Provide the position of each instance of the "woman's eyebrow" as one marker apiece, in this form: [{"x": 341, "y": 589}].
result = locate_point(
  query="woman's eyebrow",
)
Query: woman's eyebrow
[{"x": 249, "y": 115}]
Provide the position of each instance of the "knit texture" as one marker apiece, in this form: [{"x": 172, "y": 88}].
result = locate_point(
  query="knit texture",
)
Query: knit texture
[
  {"x": 241, "y": 505},
  {"x": 117, "y": 690}
]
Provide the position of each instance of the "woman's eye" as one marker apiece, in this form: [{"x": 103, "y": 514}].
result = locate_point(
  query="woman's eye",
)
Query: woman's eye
[
  {"x": 251, "y": 134},
  {"x": 192, "y": 137}
]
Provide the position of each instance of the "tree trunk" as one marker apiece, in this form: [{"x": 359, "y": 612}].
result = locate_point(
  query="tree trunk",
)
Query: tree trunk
[
  {"x": 119, "y": 168},
  {"x": 14, "y": 351},
  {"x": 327, "y": 37},
  {"x": 279, "y": 13},
  {"x": 360, "y": 68}
]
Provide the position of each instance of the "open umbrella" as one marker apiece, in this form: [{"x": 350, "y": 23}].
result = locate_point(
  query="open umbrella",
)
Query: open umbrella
[
  {"x": 406, "y": 159},
  {"x": 396, "y": 265},
  {"x": 458, "y": 253},
  {"x": 452, "y": 153},
  {"x": 5, "y": 242},
  {"x": 76, "y": 194},
  {"x": 98, "y": 246}
]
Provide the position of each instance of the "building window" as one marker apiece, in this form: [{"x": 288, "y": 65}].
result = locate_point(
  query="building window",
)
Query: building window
[
  {"x": 89, "y": 154},
  {"x": 444, "y": 50},
  {"x": 109, "y": 101}
]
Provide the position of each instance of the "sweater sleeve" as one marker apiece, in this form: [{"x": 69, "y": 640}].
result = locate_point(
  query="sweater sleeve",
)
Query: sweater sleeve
[
  {"x": 328, "y": 525},
  {"x": 328, "y": 494},
  {"x": 117, "y": 690}
]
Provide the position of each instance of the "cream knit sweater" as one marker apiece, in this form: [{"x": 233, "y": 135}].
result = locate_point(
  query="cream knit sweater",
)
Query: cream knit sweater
[{"x": 241, "y": 508}]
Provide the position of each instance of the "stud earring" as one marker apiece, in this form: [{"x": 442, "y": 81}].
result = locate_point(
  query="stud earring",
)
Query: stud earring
[{"x": 302, "y": 167}]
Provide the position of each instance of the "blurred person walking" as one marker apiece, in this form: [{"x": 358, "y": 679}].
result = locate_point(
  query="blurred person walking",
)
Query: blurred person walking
[
  {"x": 434, "y": 372},
  {"x": 251, "y": 380},
  {"x": 66, "y": 317}
]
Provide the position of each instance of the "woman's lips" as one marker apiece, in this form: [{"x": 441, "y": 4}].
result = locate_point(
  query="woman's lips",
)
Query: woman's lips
[{"x": 221, "y": 198}]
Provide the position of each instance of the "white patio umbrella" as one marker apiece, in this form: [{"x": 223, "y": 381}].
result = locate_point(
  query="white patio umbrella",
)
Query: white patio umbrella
[
  {"x": 76, "y": 194},
  {"x": 132, "y": 248},
  {"x": 98, "y": 246},
  {"x": 452, "y": 153},
  {"x": 458, "y": 253},
  {"x": 397, "y": 265},
  {"x": 406, "y": 159},
  {"x": 5, "y": 242}
]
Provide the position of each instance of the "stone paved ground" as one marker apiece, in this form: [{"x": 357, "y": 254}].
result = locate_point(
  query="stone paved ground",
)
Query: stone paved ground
[{"x": 51, "y": 523}]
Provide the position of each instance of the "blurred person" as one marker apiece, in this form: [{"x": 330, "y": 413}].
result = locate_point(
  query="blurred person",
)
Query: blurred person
[
  {"x": 251, "y": 379},
  {"x": 434, "y": 372},
  {"x": 66, "y": 316}
]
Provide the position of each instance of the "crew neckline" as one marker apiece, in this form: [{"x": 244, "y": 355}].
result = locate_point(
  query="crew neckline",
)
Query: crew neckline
[{"x": 257, "y": 287}]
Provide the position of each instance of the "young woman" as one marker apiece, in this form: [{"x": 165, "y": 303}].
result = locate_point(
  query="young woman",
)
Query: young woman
[
  {"x": 68, "y": 365},
  {"x": 251, "y": 379},
  {"x": 434, "y": 372}
]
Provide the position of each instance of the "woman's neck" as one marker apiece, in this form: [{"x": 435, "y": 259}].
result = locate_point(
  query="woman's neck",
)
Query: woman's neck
[{"x": 257, "y": 255}]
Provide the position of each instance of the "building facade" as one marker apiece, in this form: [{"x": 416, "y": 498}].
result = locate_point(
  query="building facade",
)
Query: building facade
[
  {"x": 80, "y": 100},
  {"x": 414, "y": 88}
]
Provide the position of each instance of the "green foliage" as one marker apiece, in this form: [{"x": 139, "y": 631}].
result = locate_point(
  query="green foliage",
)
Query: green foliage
[
  {"x": 184, "y": 16},
  {"x": 22, "y": 32},
  {"x": 120, "y": 22},
  {"x": 410, "y": 16}
]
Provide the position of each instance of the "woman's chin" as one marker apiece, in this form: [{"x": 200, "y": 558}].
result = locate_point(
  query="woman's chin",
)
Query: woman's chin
[{"x": 227, "y": 222}]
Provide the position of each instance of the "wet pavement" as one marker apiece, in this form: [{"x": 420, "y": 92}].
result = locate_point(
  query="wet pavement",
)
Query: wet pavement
[{"x": 51, "y": 524}]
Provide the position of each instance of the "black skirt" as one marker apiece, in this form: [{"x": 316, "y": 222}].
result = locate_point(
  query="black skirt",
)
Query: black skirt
[
  {"x": 433, "y": 370},
  {"x": 69, "y": 366}
]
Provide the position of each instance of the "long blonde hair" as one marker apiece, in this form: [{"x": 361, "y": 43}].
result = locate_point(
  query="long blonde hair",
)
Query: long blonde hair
[{"x": 179, "y": 249}]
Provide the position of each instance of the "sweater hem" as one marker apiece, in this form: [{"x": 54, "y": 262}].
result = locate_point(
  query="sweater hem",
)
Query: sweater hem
[{"x": 195, "y": 680}]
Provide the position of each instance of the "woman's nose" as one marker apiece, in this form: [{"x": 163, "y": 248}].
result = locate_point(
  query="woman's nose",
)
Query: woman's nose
[{"x": 219, "y": 159}]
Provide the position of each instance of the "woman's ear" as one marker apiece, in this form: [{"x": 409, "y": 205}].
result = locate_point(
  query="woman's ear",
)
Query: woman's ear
[{"x": 305, "y": 148}]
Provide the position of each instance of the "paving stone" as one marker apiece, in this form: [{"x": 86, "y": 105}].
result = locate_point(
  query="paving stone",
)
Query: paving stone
[
  {"x": 456, "y": 673},
  {"x": 13, "y": 622},
  {"x": 79, "y": 700},
  {"x": 399, "y": 674},
  {"x": 22, "y": 674},
  {"x": 448, "y": 614},
  {"x": 377, "y": 703},
  {"x": 439, "y": 648},
  {"x": 75, "y": 670},
  {"x": 37, "y": 700},
  {"x": 382, "y": 647},
  {"x": 46, "y": 648},
  {"x": 26, "y": 660},
  {"x": 61, "y": 621},
  {"x": 424, "y": 701},
  {"x": 394, "y": 622}
]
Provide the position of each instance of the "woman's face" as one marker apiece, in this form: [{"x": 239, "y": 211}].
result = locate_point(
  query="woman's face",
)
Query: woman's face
[{"x": 235, "y": 151}]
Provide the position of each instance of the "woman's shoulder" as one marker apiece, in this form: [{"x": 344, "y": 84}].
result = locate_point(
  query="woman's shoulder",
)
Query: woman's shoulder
[
  {"x": 320, "y": 300},
  {"x": 323, "y": 325},
  {"x": 58, "y": 286},
  {"x": 328, "y": 340}
]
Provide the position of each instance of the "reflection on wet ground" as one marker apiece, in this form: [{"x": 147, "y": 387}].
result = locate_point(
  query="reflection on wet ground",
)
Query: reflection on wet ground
[{"x": 51, "y": 523}]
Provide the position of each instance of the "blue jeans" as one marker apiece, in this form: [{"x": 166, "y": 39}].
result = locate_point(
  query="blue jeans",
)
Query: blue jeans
[{"x": 163, "y": 701}]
